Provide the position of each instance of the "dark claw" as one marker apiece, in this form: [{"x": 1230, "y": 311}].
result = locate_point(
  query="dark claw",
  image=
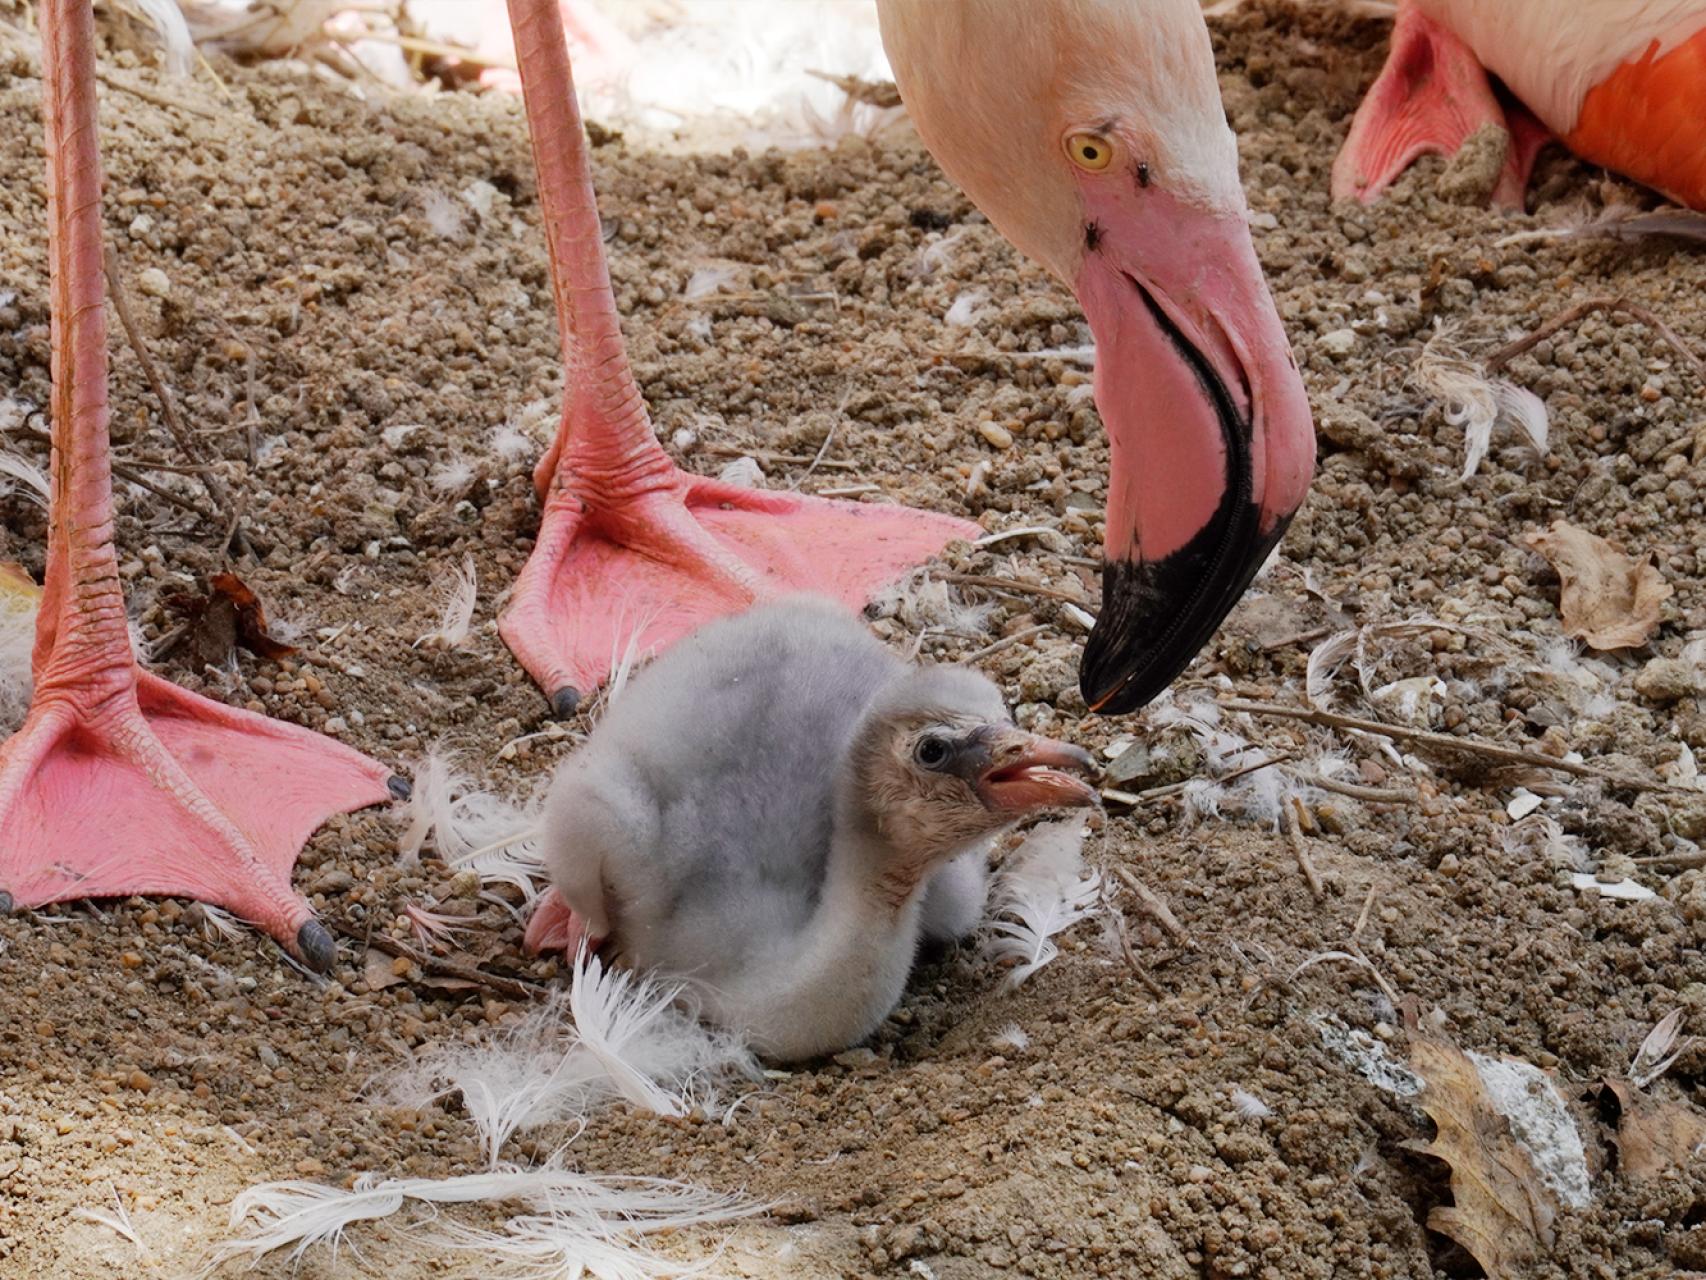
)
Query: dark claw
[
  {"x": 565, "y": 701},
  {"x": 5, "y": 903},
  {"x": 314, "y": 944},
  {"x": 399, "y": 787}
]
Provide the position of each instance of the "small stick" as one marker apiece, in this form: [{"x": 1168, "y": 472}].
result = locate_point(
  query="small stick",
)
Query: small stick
[
  {"x": 1123, "y": 935},
  {"x": 1171, "y": 789},
  {"x": 828, "y": 437},
  {"x": 168, "y": 410},
  {"x": 994, "y": 583},
  {"x": 1302, "y": 637},
  {"x": 137, "y": 478},
  {"x": 1006, "y": 642},
  {"x": 1441, "y": 741},
  {"x": 515, "y": 989},
  {"x": 1505, "y": 354},
  {"x": 1681, "y": 861},
  {"x": 1154, "y": 907},
  {"x": 1362, "y": 916},
  {"x": 761, "y": 455},
  {"x": 1374, "y": 795},
  {"x": 158, "y": 99},
  {"x": 1292, "y": 822}
]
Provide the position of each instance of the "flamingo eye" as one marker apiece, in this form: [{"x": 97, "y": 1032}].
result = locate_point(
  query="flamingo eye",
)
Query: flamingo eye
[
  {"x": 1090, "y": 151},
  {"x": 931, "y": 752}
]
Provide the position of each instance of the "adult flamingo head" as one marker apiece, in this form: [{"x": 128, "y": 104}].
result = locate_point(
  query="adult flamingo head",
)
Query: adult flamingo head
[{"x": 1091, "y": 134}]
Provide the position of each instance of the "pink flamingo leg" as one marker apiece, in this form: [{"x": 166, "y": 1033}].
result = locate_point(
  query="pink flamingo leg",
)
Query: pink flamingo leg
[
  {"x": 634, "y": 553},
  {"x": 119, "y": 782},
  {"x": 1429, "y": 99}
]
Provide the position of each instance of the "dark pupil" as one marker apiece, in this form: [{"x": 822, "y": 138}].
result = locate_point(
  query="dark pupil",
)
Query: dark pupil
[
  {"x": 932, "y": 751},
  {"x": 1089, "y": 153}
]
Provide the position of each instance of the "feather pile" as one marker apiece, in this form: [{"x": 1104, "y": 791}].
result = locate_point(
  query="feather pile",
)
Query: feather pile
[
  {"x": 1044, "y": 892},
  {"x": 578, "y": 1224},
  {"x": 617, "y": 1036},
  {"x": 469, "y": 828}
]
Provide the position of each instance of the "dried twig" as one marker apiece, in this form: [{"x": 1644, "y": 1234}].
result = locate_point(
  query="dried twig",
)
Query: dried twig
[
  {"x": 1680, "y": 861},
  {"x": 776, "y": 459},
  {"x": 1292, "y": 822},
  {"x": 1302, "y": 637},
  {"x": 1570, "y": 315},
  {"x": 1442, "y": 742},
  {"x": 1123, "y": 935},
  {"x": 158, "y": 99},
  {"x": 511, "y": 987},
  {"x": 1170, "y": 789},
  {"x": 993, "y": 583},
  {"x": 1154, "y": 907},
  {"x": 185, "y": 439},
  {"x": 1006, "y": 642},
  {"x": 1373, "y": 795}
]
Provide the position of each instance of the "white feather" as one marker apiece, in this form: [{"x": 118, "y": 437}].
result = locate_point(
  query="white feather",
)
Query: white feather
[
  {"x": 460, "y": 592},
  {"x": 168, "y": 23},
  {"x": 593, "y": 1222},
  {"x": 1476, "y": 402},
  {"x": 444, "y": 214},
  {"x": 1250, "y": 1106},
  {"x": 26, "y": 473},
  {"x": 453, "y": 478},
  {"x": 709, "y": 280},
  {"x": 1012, "y": 1036},
  {"x": 921, "y": 602},
  {"x": 512, "y": 444},
  {"x": 1044, "y": 892},
  {"x": 471, "y": 828},
  {"x": 617, "y": 1036},
  {"x": 964, "y": 311}
]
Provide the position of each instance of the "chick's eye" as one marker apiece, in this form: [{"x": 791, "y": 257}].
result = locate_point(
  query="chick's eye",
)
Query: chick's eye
[
  {"x": 1090, "y": 151},
  {"x": 931, "y": 752}
]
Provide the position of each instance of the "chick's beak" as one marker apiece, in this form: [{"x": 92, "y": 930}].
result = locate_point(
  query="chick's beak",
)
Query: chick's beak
[{"x": 1021, "y": 771}]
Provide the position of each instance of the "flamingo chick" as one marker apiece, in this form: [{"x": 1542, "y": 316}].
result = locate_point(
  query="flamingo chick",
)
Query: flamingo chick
[
  {"x": 1622, "y": 83},
  {"x": 1091, "y": 134},
  {"x": 119, "y": 782},
  {"x": 779, "y": 809}
]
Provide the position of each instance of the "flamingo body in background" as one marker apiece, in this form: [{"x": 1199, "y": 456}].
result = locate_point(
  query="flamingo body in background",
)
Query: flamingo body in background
[
  {"x": 1622, "y": 83},
  {"x": 632, "y": 550},
  {"x": 1091, "y": 133},
  {"x": 120, "y": 782}
]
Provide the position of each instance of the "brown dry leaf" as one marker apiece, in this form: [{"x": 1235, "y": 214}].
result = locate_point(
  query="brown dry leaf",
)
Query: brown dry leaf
[
  {"x": 1608, "y": 600},
  {"x": 230, "y": 615},
  {"x": 377, "y": 972},
  {"x": 1654, "y": 1137},
  {"x": 1503, "y": 1212}
]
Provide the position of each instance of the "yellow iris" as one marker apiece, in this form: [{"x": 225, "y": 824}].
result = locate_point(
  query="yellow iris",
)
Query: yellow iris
[{"x": 1090, "y": 151}]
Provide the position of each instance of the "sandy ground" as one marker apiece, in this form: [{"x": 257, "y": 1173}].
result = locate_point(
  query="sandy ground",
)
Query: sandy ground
[{"x": 350, "y": 297}]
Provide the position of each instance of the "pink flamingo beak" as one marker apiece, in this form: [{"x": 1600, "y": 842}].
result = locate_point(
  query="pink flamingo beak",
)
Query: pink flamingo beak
[{"x": 1209, "y": 428}]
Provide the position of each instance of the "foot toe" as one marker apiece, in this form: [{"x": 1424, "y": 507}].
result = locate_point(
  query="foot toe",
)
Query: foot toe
[
  {"x": 314, "y": 944},
  {"x": 399, "y": 787},
  {"x": 565, "y": 701}
]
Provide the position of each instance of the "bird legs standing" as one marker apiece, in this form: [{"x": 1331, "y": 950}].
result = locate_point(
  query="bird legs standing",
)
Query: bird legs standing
[
  {"x": 632, "y": 551},
  {"x": 120, "y": 782}
]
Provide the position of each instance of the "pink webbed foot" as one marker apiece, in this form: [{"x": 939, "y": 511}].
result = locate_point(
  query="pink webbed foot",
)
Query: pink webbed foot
[
  {"x": 634, "y": 553},
  {"x": 553, "y": 926},
  {"x": 607, "y": 583},
  {"x": 1432, "y": 96},
  {"x": 158, "y": 791}
]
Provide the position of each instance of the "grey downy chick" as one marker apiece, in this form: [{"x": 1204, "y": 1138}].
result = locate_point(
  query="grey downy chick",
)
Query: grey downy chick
[{"x": 779, "y": 809}]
